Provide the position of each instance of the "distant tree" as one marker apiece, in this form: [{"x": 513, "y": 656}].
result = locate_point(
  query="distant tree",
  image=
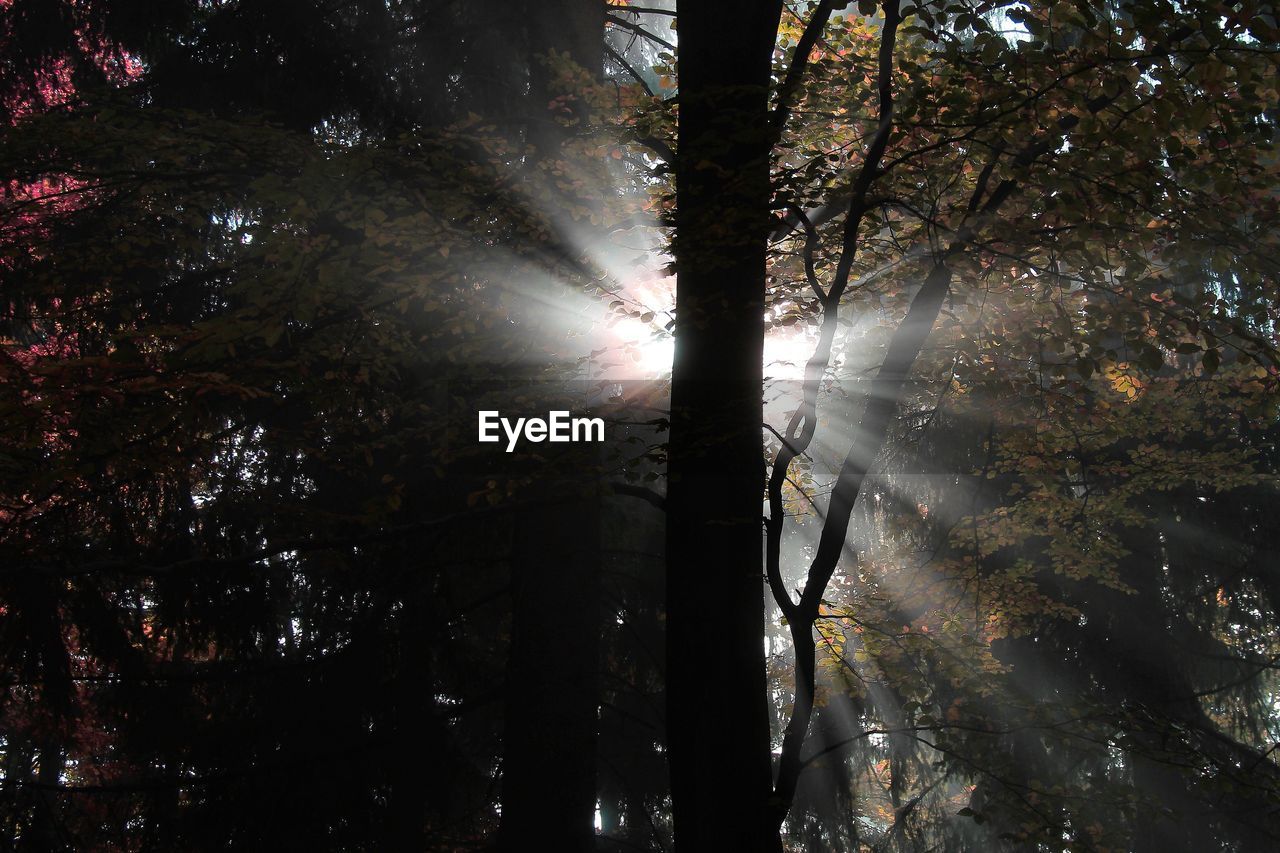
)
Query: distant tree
[{"x": 253, "y": 300}]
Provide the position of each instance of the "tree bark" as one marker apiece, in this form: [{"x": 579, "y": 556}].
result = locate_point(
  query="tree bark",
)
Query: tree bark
[
  {"x": 552, "y": 686},
  {"x": 552, "y": 690},
  {"x": 717, "y": 705}
]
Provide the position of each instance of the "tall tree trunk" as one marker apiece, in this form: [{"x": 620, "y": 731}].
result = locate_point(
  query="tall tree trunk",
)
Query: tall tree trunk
[
  {"x": 717, "y": 706},
  {"x": 552, "y": 688}
]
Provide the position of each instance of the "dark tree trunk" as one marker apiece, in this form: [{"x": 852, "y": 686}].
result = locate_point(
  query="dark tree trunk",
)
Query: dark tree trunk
[
  {"x": 552, "y": 691},
  {"x": 417, "y": 735},
  {"x": 717, "y": 711},
  {"x": 552, "y": 688}
]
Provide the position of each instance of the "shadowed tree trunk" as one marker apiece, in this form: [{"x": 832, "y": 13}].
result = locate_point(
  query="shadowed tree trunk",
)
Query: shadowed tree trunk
[
  {"x": 549, "y": 764},
  {"x": 717, "y": 711},
  {"x": 552, "y": 689}
]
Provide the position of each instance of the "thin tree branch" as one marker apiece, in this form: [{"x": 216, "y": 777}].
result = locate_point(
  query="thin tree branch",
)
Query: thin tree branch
[
  {"x": 801, "y": 615},
  {"x": 640, "y": 10},
  {"x": 640, "y": 31},
  {"x": 647, "y": 495},
  {"x": 810, "y": 246},
  {"x": 799, "y": 62},
  {"x": 631, "y": 72}
]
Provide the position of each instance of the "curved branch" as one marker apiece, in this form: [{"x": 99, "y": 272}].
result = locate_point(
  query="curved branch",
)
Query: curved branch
[
  {"x": 804, "y": 422},
  {"x": 799, "y": 62},
  {"x": 622, "y": 23},
  {"x": 631, "y": 72}
]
